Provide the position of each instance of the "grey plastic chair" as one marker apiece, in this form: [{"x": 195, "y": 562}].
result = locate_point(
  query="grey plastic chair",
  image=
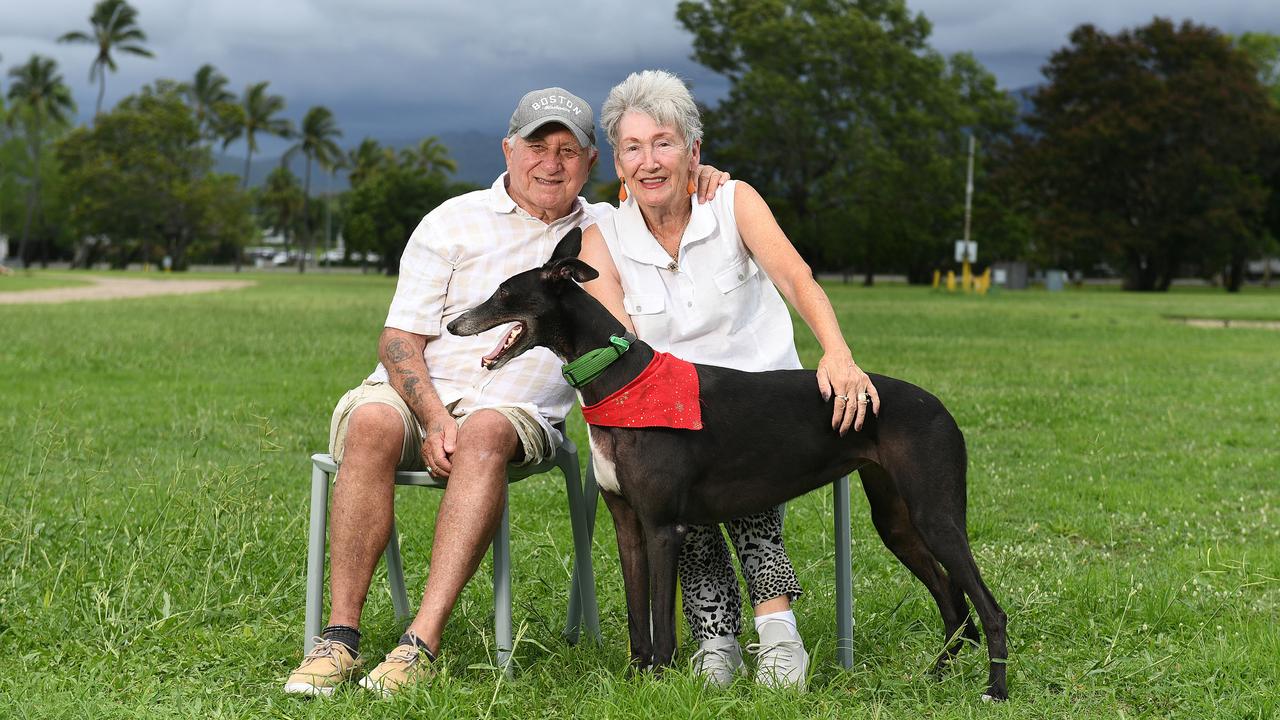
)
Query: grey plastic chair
[
  {"x": 582, "y": 594},
  {"x": 844, "y": 560}
]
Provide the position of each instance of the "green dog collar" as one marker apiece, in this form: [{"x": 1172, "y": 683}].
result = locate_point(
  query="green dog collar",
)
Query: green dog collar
[{"x": 588, "y": 367}]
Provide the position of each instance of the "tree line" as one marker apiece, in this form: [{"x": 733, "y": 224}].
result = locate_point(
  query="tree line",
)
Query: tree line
[
  {"x": 138, "y": 184},
  {"x": 1150, "y": 153}
]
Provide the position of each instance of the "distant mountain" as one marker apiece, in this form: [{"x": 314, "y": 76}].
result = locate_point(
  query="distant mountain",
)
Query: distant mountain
[
  {"x": 478, "y": 154},
  {"x": 259, "y": 168},
  {"x": 1023, "y": 97},
  {"x": 1026, "y": 105}
]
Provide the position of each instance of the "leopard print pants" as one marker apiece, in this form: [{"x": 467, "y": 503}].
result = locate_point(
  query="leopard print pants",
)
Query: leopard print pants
[{"x": 710, "y": 593}]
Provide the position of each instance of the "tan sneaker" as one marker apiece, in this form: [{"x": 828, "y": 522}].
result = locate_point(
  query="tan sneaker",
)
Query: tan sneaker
[
  {"x": 329, "y": 664},
  {"x": 404, "y": 666}
]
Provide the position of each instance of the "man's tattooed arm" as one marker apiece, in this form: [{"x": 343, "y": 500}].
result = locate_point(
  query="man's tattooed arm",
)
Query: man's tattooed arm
[{"x": 401, "y": 354}]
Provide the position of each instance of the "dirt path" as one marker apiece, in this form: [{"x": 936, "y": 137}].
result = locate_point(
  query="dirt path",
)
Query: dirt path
[{"x": 117, "y": 288}]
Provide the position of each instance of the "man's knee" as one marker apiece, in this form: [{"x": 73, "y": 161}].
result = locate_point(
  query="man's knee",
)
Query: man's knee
[
  {"x": 374, "y": 430},
  {"x": 488, "y": 435}
]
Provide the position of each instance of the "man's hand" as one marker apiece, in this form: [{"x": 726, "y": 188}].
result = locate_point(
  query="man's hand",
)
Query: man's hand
[
  {"x": 708, "y": 180},
  {"x": 439, "y": 444}
]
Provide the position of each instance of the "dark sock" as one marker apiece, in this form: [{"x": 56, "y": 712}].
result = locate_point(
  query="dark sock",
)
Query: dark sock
[
  {"x": 412, "y": 639},
  {"x": 344, "y": 634}
]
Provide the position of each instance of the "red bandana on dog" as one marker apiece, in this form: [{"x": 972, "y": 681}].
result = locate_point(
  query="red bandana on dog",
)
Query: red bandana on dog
[{"x": 664, "y": 395}]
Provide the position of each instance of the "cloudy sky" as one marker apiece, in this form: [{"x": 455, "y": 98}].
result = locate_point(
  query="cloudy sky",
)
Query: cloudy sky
[{"x": 400, "y": 69}]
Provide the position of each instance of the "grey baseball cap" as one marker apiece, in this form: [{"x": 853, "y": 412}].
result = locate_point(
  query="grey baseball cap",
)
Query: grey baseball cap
[{"x": 554, "y": 105}]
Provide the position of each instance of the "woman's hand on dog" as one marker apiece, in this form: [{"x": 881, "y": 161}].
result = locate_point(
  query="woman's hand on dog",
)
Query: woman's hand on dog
[{"x": 840, "y": 377}]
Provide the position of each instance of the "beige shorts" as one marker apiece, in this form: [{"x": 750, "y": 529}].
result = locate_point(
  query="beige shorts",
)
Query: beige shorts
[{"x": 535, "y": 442}]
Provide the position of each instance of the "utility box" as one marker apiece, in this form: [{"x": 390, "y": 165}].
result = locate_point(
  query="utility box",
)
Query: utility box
[
  {"x": 1009, "y": 275},
  {"x": 1055, "y": 280}
]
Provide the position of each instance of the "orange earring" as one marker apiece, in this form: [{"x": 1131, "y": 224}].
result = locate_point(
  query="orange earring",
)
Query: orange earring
[
  {"x": 622, "y": 192},
  {"x": 692, "y": 188}
]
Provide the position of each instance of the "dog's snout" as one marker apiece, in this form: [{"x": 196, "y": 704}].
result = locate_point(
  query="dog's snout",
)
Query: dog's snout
[{"x": 461, "y": 325}]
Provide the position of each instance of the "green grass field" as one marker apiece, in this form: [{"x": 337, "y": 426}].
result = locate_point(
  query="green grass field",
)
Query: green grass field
[{"x": 1123, "y": 506}]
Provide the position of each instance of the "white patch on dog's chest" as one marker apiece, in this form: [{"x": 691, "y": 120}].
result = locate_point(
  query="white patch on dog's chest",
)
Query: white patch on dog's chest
[{"x": 606, "y": 475}]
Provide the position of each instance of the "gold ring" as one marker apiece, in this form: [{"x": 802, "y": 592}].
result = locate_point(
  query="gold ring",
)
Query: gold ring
[{"x": 843, "y": 398}]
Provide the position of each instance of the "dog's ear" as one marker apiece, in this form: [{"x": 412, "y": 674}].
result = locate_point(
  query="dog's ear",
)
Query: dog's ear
[
  {"x": 569, "y": 246},
  {"x": 571, "y": 269}
]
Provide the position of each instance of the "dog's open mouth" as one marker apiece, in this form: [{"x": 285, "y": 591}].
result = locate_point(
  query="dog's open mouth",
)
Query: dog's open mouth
[{"x": 491, "y": 360}]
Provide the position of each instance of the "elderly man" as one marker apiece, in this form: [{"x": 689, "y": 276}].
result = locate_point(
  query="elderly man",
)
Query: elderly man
[{"x": 430, "y": 405}]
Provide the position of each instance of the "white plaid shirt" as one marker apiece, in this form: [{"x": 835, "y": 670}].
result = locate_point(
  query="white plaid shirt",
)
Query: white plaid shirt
[{"x": 454, "y": 260}]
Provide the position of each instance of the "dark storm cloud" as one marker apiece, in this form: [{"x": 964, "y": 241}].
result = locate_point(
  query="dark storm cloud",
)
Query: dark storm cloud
[{"x": 398, "y": 69}]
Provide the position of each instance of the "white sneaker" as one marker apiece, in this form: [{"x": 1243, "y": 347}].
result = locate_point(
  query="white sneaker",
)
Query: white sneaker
[
  {"x": 781, "y": 660},
  {"x": 718, "y": 660}
]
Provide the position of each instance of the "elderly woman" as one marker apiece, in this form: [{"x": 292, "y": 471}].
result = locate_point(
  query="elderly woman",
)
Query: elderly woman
[{"x": 702, "y": 281}]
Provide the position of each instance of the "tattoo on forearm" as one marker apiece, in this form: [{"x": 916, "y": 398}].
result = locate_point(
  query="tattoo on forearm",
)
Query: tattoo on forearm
[
  {"x": 411, "y": 388},
  {"x": 398, "y": 351}
]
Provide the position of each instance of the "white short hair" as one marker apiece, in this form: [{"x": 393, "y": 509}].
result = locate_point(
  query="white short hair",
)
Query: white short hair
[{"x": 660, "y": 95}]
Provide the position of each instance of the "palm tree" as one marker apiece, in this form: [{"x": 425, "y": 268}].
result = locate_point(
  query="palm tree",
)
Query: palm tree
[
  {"x": 280, "y": 202},
  {"x": 258, "y": 114},
  {"x": 316, "y": 142},
  {"x": 430, "y": 157},
  {"x": 115, "y": 27},
  {"x": 206, "y": 95},
  {"x": 363, "y": 160},
  {"x": 38, "y": 94}
]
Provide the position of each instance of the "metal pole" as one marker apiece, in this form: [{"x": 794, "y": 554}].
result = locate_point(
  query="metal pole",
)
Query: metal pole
[
  {"x": 968, "y": 192},
  {"x": 844, "y": 575},
  {"x": 966, "y": 274}
]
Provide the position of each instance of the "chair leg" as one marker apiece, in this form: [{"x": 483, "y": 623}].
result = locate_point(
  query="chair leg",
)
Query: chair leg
[
  {"x": 844, "y": 575},
  {"x": 582, "y": 591},
  {"x": 395, "y": 575},
  {"x": 573, "y": 619},
  {"x": 591, "y": 499},
  {"x": 317, "y": 531},
  {"x": 502, "y": 590}
]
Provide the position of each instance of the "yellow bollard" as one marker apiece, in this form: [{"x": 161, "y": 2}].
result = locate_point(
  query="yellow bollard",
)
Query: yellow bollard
[
  {"x": 984, "y": 282},
  {"x": 951, "y": 281},
  {"x": 937, "y": 278},
  {"x": 966, "y": 278}
]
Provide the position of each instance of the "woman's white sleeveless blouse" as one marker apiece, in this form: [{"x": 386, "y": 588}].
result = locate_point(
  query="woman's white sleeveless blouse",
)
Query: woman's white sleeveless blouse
[{"x": 714, "y": 305}]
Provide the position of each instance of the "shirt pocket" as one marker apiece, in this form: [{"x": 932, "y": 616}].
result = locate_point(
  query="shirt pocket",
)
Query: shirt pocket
[
  {"x": 649, "y": 317},
  {"x": 644, "y": 303},
  {"x": 739, "y": 292},
  {"x": 738, "y": 272}
]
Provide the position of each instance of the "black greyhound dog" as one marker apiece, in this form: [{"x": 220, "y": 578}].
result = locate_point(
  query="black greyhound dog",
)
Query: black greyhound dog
[{"x": 766, "y": 438}]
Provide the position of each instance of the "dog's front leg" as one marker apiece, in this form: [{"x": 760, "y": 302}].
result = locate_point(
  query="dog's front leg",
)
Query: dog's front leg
[
  {"x": 663, "y": 543},
  {"x": 635, "y": 577}
]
